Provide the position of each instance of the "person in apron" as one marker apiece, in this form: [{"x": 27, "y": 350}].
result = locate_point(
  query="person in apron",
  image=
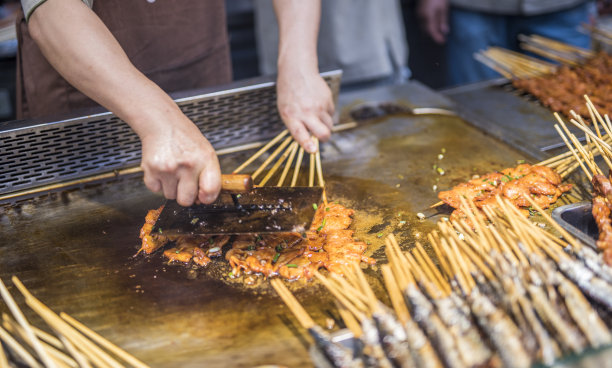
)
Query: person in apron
[{"x": 125, "y": 56}]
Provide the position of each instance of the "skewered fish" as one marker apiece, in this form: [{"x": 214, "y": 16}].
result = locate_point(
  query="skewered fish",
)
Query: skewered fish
[
  {"x": 500, "y": 329},
  {"x": 586, "y": 280},
  {"x": 441, "y": 338},
  {"x": 393, "y": 338},
  {"x": 338, "y": 355}
]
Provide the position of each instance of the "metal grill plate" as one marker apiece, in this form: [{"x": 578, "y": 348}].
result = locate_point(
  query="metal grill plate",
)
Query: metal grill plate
[{"x": 36, "y": 153}]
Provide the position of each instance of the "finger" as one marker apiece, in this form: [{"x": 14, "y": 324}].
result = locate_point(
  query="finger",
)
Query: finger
[
  {"x": 169, "y": 182},
  {"x": 328, "y": 120},
  {"x": 318, "y": 128},
  {"x": 209, "y": 182},
  {"x": 151, "y": 182},
  {"x": 301, "y": 135},
  {"x": 187, "y": 189}
]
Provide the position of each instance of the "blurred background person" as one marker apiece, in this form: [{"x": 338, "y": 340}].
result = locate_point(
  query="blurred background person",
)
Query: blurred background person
[
  {"x": 468, "y": 26},
  {"x": 366, "y": 39}
]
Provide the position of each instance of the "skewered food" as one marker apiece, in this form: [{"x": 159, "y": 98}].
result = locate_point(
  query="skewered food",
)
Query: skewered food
[
  {"x": 562, "y": 90},
  {"x": 602, "y": 193},
  {"x": 540, "y": 182},
  {"x": 328, "y": 244},
  {"x": 513, "y": 293}
]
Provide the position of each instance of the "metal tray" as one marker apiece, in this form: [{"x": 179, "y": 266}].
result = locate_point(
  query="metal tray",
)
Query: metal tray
[{"x": 577, "y": 219}]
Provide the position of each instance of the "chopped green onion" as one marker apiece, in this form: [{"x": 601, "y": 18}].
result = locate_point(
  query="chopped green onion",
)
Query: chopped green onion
[
  {"x": 443, "y": 150},
  {"x": 275, "y": 257},
  {"x": 322, "y": 224},
  {"x": 292, "y": 265},
  {"x": 279, "y": 248},
  {"x": 379, "y": 235},
  {"x": 159, "y": 230},
  {"x": 231, "y": 274},
  {"x": 327, "y": 209},
  {"x": 402, "y": 222},
  {"x": 238, "y": 195},
  {"x": 369, "y": 242},
  {"x": 251, "y": 247},
  {"x": 520, "y": 161},
  {"x": 194, "y": 221},
  {"x": 177, "y": 251},
  {"x": 314, "y": 205},
  {"x": 435, "y": 167}
]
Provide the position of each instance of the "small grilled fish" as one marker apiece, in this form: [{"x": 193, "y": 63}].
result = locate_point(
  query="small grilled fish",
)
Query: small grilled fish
[
  {"x": 500, "y": 329},
  {"x": 338, "y": 355},
  {"x": 441, "y": 338}
]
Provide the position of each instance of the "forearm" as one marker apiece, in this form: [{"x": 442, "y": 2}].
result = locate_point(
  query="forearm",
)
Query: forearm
[
  {"x": 298, "y": 23},
  {"x": 80, "y": 47}
]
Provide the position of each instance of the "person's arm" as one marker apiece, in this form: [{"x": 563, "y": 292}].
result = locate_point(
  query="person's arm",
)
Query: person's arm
[
  {"x": 434, "y": 18},
  {"x": 176, "y": 158},
  {"x": 305, "y": 101}
]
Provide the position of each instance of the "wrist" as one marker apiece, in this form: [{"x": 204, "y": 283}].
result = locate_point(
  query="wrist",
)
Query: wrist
[
  {"x": 294, "y": 61},
  {"x": 155, "y": 117}
]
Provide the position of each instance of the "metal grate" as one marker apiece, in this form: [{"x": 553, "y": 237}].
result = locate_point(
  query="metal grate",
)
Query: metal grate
[{"x": 48, "y": 152}]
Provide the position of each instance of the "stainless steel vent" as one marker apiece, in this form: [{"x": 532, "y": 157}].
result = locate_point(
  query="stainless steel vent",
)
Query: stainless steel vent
[{"x": 47, "y": 152}]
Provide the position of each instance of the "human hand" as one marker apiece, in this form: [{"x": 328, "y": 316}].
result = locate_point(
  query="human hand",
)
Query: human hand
[
  {"x": 178, "y": 161},
  {"x": 434, "y": 18},
  {"x": 305, "y": 104}
]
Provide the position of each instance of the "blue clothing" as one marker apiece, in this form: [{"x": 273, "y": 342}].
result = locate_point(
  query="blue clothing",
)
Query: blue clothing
[{"x": 472, "y": 31}]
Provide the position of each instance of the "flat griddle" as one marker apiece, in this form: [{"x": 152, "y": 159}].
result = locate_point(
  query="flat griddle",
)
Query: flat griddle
[
  {"x": 511, "y": 115},
  {"x": 75, "y": 250}
]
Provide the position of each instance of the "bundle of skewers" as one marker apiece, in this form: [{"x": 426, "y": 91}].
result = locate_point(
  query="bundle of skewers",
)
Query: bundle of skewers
[
  {"x": 597, "y": 135},
  {"x": 559, "y": 87},
  {"x": 287, "y": 153},
  {"x": 70, "y": 343},
  {"x": 504, "y": 292}
]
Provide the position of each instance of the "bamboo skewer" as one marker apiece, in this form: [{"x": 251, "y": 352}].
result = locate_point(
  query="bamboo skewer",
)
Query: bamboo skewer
[
  {"x": 276, "y": 165},
  {"x": 33, "y": 340},
  {"x": 3, "y": 360},
  {"x": 296, "y": 308},
  {"x": 18, "y": 349},
  {"x": 281, "y": 180},
  {"x": 272, "y": 156},
  {"x": 91, "y": 351},
  {"x": 340, "y": 297},
  {"x": 298, "y": 164},
  {"x": 311, "y": 170},
  {"x": 103, "y": 342},
  {"x": 349, "y": 319},
  {"x": 397, "y": 300},
  {"x": 54, "y": 353},
  {"x": 261, "y": 151}
]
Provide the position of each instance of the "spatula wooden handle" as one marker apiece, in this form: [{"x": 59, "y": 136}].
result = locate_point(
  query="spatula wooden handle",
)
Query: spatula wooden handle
[{"x": 236, "y": 183}]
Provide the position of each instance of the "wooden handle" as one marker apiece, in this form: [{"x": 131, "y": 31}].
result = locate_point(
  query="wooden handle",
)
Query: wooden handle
[{"x": 236, "y": 183}]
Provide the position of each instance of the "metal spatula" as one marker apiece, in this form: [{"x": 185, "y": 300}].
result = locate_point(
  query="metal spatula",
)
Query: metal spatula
[{"x": 242, "y": 209}]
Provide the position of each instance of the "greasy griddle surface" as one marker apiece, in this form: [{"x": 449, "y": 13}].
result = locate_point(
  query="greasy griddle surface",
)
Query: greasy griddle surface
[{"x": 75, "y": 251}]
